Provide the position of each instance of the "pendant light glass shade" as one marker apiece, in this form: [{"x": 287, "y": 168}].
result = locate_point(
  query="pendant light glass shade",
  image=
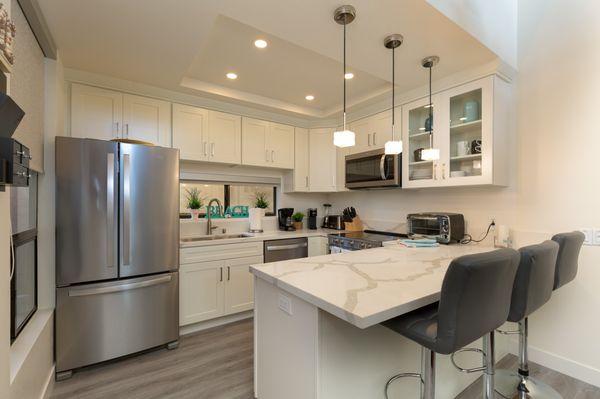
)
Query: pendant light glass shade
[
  {"x": 393, "y": 146},
  {"x": 430, "y": 154},
  {"x": 344, "y": 138}
]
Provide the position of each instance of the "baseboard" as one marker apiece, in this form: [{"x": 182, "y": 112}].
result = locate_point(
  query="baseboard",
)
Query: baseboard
[
  {"x": 561, "y": 364},
  {"x": 49, "y": 386},
  {"x": 204, "y": 325}
]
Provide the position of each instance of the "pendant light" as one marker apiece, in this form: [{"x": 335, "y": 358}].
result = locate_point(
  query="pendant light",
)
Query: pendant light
[
  {"x": 393, "y": 146},
  {"x": 344, "y": 15},
  {"x": 430, "y": 154}
]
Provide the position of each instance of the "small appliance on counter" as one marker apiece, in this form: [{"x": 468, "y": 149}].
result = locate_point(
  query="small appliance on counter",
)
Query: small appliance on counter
[
  {"x": 284, "y": 216},
  {"x": 335, "y": 222},
  {"x": 312, "y": 218},
  {"x": 444, "y": 227}
]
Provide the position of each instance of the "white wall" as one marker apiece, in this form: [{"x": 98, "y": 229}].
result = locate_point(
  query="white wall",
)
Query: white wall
[
  {"x": 559, "y": 93},
  {"x": 554, "y": 186},
  {"x": 492, "y": 22}
]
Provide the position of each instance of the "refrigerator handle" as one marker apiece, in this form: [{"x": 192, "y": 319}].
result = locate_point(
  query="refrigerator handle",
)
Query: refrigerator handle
[
  {"x": 126, "y": 209},
  {"x": 110, "y": 209},
  {"x": 119, "y": 287}
]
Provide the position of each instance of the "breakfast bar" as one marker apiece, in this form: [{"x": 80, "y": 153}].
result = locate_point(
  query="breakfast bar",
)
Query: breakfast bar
[{"x": 317, "y": 332}]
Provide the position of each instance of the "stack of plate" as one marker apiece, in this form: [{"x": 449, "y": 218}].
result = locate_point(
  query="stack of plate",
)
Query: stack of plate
[{"x": 420, "y": 174}]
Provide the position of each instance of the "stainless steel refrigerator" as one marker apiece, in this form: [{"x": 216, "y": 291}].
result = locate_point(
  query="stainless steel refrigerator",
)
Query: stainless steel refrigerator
[{"x": 117, "y": 246}]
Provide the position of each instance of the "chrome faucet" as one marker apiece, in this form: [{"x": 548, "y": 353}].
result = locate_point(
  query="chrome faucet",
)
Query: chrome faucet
[{"x": 209, "y": 226}]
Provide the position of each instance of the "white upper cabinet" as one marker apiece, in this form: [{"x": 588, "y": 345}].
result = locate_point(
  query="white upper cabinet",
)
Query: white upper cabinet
[
  {"x": 190, "y": 126},
  {"x": 147, "y": 119},
  {"x": 225, "y": 137},
  {"x": 280, "y": 142},
  {"x": 106, "y": 114},
  {"x": 301, "y": 160},
  {"x": 254, "y": 142},
  {"x": 203, "y": 135},
  {"x": 372, "y": 132},
  {"x": 267, "y": 144},
  {"x": 471, "y": 126},
  {"x": 323, "y": 161},
  {"x": 96, "y": 113}
]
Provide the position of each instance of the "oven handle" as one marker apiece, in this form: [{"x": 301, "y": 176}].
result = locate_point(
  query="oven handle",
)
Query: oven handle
[{"x": 382, "y": 167}]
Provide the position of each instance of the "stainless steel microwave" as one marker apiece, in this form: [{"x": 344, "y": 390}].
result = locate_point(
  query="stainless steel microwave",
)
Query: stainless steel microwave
[{"x": 373, "y": 169}]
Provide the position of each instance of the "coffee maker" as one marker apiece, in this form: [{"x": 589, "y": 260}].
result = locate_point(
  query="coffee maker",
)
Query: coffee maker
[
  {"x": 312, "y": 218},
  {"x": 284, "y": 215}
]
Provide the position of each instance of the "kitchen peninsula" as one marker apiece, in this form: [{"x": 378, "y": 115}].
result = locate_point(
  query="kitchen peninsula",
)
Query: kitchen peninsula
[{"x": 317, "y": 332}]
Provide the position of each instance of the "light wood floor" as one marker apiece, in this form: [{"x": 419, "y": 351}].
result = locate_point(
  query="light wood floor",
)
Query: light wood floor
[{"x": 217, "y": 364}]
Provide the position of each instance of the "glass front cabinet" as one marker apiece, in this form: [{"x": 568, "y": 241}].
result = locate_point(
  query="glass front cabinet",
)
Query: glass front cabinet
[{"x": 470, "y": 128}]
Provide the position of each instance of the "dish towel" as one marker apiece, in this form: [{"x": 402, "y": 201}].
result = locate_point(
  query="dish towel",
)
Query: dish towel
[{"x": 420, "y": 243}]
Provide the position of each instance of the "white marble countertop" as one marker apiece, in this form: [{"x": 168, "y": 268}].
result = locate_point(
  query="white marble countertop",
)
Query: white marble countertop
[
  {"x": 369, "y": 286},
  {"x": 267, "y": 235}
]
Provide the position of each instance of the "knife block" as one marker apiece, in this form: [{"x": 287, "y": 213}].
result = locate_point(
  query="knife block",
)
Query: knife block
[{"x": 355, "y": 225}]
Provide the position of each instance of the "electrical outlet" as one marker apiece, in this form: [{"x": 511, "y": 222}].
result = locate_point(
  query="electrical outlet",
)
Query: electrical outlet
[
  {"x": 285, "y": 304},
  {"x": 589, "y": 236},
  {"x": 596, "y": 236}
]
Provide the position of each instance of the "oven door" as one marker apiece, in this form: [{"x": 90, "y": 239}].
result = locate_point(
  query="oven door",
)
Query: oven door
[{"x": 373, "y": 169}]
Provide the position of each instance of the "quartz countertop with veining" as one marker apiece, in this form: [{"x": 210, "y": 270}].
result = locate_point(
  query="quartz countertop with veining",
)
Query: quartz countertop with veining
[{"x": 369, "y": 286}]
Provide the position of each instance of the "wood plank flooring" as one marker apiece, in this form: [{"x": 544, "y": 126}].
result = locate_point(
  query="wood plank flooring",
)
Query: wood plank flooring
[{"x": 218, "y": 364}]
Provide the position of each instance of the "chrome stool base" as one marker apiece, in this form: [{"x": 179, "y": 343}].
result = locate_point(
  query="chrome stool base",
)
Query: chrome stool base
[{"x": 511, "y": 385}]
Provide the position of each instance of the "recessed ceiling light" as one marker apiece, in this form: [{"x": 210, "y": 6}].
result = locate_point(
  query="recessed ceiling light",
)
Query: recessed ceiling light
[
  {"x": 310, "y": 97},
  {"x": 231, "y": 76},
  {"x": 349, "y": 75},
  {"x": 260, "y": 43}
]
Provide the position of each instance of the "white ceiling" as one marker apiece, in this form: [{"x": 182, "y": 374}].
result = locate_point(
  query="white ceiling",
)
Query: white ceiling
[{"x": 189, "y": 45}]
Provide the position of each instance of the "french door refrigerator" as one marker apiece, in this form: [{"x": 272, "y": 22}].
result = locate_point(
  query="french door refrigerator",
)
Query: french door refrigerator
[{"x": 117, "y": 246}]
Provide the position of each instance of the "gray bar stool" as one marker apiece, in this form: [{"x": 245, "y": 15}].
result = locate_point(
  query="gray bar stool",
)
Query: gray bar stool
[
  {"x": 474, "y": 301},
  {"x": 533, "y": 287}
]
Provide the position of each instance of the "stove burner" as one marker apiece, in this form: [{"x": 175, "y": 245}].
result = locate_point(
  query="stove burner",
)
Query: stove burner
[{"x": 357, "y": 240}]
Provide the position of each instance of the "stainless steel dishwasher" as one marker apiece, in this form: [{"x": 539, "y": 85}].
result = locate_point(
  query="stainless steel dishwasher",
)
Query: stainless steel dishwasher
[{"x": 290, "y": 248}]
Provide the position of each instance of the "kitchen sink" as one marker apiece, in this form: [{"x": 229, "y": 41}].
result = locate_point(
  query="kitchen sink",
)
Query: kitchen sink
[{"x": 215, "y": 237}]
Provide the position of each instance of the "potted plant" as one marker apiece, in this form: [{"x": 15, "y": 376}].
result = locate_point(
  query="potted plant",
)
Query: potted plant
[
  {"x": 297, "y": 218},
  {"x": 258, "y": 212},
  {"x": 194, "y": 202}
]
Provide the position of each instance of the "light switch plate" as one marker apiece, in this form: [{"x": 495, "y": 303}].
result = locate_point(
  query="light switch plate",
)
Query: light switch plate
[
  {"x": 589, "y": 236},
  {"x": 596, "y": 236},
  {"x": 285, "y": 304}
]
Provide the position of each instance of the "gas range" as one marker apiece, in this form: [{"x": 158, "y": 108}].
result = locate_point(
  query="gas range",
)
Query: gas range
[{"x": 357, "y": 240}]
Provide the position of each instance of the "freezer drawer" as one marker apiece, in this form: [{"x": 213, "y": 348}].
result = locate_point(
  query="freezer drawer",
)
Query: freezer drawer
[{"x": 98, "y": 322}]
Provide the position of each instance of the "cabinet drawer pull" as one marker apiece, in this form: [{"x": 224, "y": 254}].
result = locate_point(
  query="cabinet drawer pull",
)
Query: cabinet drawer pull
[
  {"x": 369, "y": 139},
  {"x": 374, "y": 138},
  {"x": 221, "y": 278},
  {"x": 272, "y": 156},
  {"x": 117, "y": 127},
  {"x": 205, "y": 144},
  {"x": 212, "y": 149},
  {"x": 267, "y": 155},
  {"x": 228, "y": 273}
]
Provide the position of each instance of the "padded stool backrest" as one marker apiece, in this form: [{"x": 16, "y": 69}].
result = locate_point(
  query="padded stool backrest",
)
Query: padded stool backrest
[
  {"x": 475, "y": 297},
  {"x": 535, "y": 279},
  {"x": 568, "y": 255}
]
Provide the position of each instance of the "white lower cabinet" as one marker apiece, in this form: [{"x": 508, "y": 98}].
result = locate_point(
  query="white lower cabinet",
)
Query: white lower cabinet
[
  {"x": 221, "y": 284},
  {"x": 200, "y": 292},
  {"x": 318, "y": 246}
]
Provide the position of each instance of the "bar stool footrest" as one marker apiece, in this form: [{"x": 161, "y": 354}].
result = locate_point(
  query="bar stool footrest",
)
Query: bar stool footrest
[
  {"x": 469, "y": 370},
  {"x": 402, "y": 375}
]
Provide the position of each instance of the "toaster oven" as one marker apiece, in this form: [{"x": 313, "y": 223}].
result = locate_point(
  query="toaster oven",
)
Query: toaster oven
[{"x": 445, "y": 228}]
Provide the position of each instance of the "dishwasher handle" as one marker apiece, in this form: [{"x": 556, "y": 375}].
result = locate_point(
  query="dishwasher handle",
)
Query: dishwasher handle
[{"x": 284, "y": 247}]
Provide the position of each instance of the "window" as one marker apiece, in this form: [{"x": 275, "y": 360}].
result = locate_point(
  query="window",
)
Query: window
[
  {"x": 229, "y": 194},
  {"x": 23, "y": 285}
]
